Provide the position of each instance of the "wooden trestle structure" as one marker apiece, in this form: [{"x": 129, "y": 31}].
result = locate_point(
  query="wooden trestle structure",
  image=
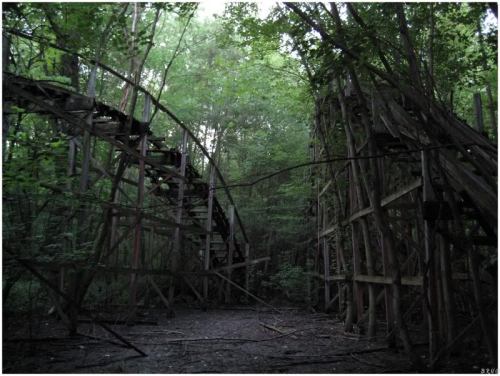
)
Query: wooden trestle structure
[
  {"x": 145, "y": 216},
  {"x": 407, "y": 221}
]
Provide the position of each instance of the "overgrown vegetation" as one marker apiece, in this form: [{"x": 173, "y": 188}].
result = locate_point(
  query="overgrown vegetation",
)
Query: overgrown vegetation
[{"x": 245, "y": 85}]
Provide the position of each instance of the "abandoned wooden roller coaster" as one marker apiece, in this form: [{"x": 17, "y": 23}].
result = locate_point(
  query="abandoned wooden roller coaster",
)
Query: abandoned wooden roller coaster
[{"x": 121, "y": 229}]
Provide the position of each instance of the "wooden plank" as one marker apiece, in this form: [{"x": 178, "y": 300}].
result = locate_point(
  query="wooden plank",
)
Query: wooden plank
[
  {"x": 72, "y": 302},
  {"x": 180, "y": 194},
  {"x": 325, "y": 188},
  {"x": 137, "y": 249},
  {"x": 243, "y": 264},
  {"x": 376, "y": 279},
  {"x": 84, "y": 126},
  {"x": 231, "y": 252},
  {"x": 245, "y": 291},
  {"x": 247, "y": 269},
  {"x": 188, "y": 282},
  {"x": 402, "y": 192},
  {"x": 381, "y": 280},
  {"x": 326, "y": 261},
  {"x": 160, "y": 294},
  {"x": 388, "y": 199},
  {"x": 206, "y": 260},
  {"x": 328, "y": 230}
]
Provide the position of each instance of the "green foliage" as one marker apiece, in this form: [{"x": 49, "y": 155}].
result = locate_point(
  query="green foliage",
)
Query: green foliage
[
  {"x": 245, "y": 85},
  {"x": 291, "y": 281}
]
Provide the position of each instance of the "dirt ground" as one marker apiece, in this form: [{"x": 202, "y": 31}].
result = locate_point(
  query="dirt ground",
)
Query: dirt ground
[{"x": 231, "y": 340}]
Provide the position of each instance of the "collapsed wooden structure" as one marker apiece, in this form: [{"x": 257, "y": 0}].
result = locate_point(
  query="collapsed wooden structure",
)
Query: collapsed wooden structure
[
  {"x": 146, "y": 220},
  {"x": 407, "y": 221}
]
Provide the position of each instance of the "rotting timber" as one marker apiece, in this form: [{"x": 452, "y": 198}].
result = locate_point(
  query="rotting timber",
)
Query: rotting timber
[
  {"x": 407, "y": 222},
  {"x": 145, "y": 219},
  {"x": 407, "y": 227}
]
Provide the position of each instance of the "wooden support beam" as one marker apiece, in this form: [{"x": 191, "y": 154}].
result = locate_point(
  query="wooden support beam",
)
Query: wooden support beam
[
  {"x": 430, "y": 278},
  {"x": 230, "y": 252},
  {"x": 325, "y": 188},
  {"x": 384, "y": 202},
  {"x": 388, "y": 301},
  {"x": 206, "y": 259},
  {"x": 375, "y": 279},
  {"x": 160, "y": 294},
  {"x": 326, "y": 261},
  {"x": 193, "y": 289},
  {"x": 245, "y": 291},
  {"x": 388, "y": 199},
  {"x": 243, "y": 264},
  {"x": 247, "y": 269},
  {"x": 82, "y": 125},
  {"x": 74, "y": 303},
  {"x": 329, "y": 230},
  {"x": 180, "y": 193},
  {"x": 136, "y": 253}
]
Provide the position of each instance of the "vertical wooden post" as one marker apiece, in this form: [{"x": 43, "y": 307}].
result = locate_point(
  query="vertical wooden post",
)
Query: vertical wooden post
[
  {"x": 178, "y": 253},
  {"x": 84, "y": 178},
  {"x": 5, "y": 65},
  {"x": 180, "y": 195},
  {"x": 478, "y": 112},
  {"x": 231, "y": 251},
  {"x": 430, "y": 277},
  {"x": 61, "y": 283},
  {"x": 349, "y": 311},
  {"x": 136, "y": 253},
  {"x": 71, "y": 159},
  {"x": 211, "y": 189},
  {"x": 84, "y": 182},
  {"x": 389, "y": 313},
  {"x": 447, "y": 290},
  {"x": 488, "y": 331},
  {"x": 247, "y": 267},
  {"x": 357, "y": 288},
  {"x": 326, "y": 261}
]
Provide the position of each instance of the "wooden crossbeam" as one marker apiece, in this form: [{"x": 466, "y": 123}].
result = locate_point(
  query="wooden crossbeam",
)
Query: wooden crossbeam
[
  {"x": 382, "y": 280},
  {"x": 82, "y": 125},
  {"x": 243, "y": 264},
  {"x": 388, "y": 199},
  {"x": 384, "y": 202},
  {"x": 90, "y": 315},
  {"x": 325, "y": 188}
]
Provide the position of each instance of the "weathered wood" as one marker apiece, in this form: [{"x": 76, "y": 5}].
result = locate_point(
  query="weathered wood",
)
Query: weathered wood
[
  {"x": 245, "y": 291},
  {"x": 160, "y": 294},
  {"x": 326, "y": 262},
  {"x": 137, "y": 246},
  {"x": 230, "y": 242},
  {"x": 447, "y": 289},
  {"x": 206, "y": 256},
  {"x": 430, "y": 278},
  {"x": 247, "y": 269},
  {"x": 72, "y": 302},
  {"x": 180, "y": 195},
  {"x": 193, "y": 289},
  {"x": 325, "y": 188},
  {"x": 488, "y": 333},
  {"x": 243, "y": 264},
  {"x": 388, "y": 199}
]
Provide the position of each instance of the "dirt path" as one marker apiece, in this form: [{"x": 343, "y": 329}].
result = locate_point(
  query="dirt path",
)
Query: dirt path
[{"x": 216, "y": 341}]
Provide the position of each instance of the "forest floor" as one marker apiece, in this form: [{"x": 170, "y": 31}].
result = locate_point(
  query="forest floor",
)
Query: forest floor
[{"x": 228, "y": 340}]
